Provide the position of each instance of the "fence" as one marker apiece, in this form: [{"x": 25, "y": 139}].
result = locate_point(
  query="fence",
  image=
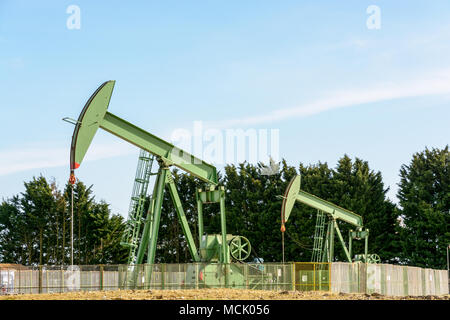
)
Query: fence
[
  {"x": 197, "y": 275},
  {"x": 386, "y": 279},
  {"x": 58, "y": 279},
  {"x": 336, "y": 277},
  {"x": 312, "y": 276}
]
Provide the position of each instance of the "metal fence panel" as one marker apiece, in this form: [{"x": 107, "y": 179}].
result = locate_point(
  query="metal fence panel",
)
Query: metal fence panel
[
  {"x": 349, "y": 277},
  {"x": 386, "y": 279},
  {"x": 312, "y": 276}
]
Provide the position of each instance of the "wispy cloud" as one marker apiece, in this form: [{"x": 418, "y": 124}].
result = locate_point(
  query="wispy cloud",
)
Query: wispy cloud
[
  {"x": 29, "y": 158},
  {"x": 435, "y": 84}
]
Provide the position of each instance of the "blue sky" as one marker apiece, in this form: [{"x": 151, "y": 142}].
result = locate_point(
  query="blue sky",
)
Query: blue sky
[{"x": 312, "y": 69}]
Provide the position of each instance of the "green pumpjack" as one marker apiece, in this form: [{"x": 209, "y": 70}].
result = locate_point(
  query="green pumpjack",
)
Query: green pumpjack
[
  {"x": 323, "y": 250},
  {"x": 93, "y": 116}
]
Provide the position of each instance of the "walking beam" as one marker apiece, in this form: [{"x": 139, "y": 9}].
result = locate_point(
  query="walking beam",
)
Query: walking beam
[
  {"x": 335, "y": 211},
  {"x": 94, "y": 115}
]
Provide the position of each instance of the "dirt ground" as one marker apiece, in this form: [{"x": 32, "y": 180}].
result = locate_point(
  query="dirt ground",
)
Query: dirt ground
[{"x": 209, "y": 294}]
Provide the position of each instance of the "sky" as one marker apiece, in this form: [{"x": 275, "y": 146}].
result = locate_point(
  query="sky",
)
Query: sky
[{"x": 320, "y": 72}]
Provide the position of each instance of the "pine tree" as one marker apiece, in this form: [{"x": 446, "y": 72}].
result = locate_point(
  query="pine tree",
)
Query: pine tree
[
  {"x": 361, "y": 190},
  {"x": 424, "y": 197},
  {"x": 38, "y": 203}
]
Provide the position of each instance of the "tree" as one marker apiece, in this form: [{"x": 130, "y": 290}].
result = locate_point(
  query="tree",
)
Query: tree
[
  {"x": 16, "y": 241},
  {"x": 361, "y": 190},
  {"x": 38, "y": 203},
  {"x": 97, "y": 233},
  {"x": 35, "y": 226},
  {"x": 424, "y": 198},
  {"x": 253, "y": 208}
]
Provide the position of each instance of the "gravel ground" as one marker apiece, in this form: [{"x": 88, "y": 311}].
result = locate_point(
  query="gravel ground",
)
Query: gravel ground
[{"x": 209, "y": 294}]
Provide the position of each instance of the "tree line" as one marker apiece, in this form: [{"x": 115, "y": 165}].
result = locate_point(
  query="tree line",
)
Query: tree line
[{"x": 35, "y": 225}]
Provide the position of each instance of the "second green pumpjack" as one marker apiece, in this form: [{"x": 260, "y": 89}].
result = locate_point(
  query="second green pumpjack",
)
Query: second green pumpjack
[
  {"x": 212, "y": 248},
  {"x": 324, "y": 250}
]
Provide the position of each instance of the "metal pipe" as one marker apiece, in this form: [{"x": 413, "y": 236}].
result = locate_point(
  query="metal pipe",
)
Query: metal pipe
[{"x": 71, "y": 230}]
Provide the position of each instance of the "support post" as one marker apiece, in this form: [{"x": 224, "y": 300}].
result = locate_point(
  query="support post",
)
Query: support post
[
  {"x": 148, "y": 226},
  {"x": 448, "y": 268},
  {"x": 350, "y": 243},
  {"x": 326, "y": 251},
  {"x": 157, "y": 214},
  {"x": 226, "y": 256},
  {"x": 182, "y": 217},
  {"x": 331, "y": 240},
  {"x": 223, "y": 224},
  {"x": 40, "y": 279},
  {"x": 163, "y": 271},
  {"x": 101, "y": 277},
  {"x": 62, "y": 279},
  {"x": 366, "y": 244},
  {"x": 342, "y": 241},
  {"x": 293, "y": 276},
  {"x": 314, "y": 277},
  {"x": 200, "y": 218},
  {"x": 151, "y": 226},
  {"x": 196, "y": 275}
]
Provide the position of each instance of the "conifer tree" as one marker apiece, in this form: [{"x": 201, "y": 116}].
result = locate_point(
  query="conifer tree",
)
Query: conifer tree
[{"x": 424, "y": 197}]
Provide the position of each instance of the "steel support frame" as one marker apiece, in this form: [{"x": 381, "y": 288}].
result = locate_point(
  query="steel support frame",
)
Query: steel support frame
[
  {"x": 358, "y": 235},
  {"x": 215, "y": 196},
  {"x": 150, "y": 233},
  {"x": 182, "y": 218},
  {"x": 328, "y": 252}
]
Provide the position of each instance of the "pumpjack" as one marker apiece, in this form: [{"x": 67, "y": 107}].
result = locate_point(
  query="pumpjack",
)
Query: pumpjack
[
  {"x": 323, "y": 250},
  {"x": 141, "y": 232}
]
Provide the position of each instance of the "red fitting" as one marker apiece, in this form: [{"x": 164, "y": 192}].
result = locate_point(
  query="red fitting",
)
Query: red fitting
[{"x": 72, "y": 178}]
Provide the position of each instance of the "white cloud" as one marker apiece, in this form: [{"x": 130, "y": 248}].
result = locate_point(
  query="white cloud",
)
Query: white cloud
[
  {"x": 28, "y": 158},
  {"x": 435, "y": 84}
]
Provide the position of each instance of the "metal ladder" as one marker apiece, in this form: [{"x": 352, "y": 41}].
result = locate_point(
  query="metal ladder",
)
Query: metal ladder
[
  {"x": 131, "y": 235},
  {"x": 318, "y": 237}
]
